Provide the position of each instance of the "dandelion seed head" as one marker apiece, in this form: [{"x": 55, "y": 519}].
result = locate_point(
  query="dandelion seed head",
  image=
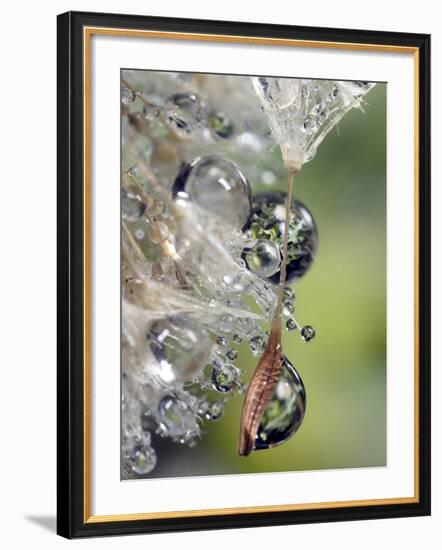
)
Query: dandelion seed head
[{"x": 300, "y": 112}]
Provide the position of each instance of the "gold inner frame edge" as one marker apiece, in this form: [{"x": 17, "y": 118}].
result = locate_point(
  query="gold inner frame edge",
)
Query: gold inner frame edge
[{"x": 134, "y": 33}]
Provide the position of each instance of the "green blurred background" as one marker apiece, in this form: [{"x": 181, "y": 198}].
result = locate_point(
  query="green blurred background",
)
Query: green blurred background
[{"x": 343, "y": 297}]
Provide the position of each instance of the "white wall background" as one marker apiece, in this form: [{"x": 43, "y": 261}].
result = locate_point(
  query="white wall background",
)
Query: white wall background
[{"x": 27, "y": 285}]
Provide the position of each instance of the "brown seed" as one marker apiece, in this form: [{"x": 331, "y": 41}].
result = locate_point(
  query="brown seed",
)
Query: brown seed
[
  {"x": 260, "y": 390},
  {"x": 269, "y": 367}
]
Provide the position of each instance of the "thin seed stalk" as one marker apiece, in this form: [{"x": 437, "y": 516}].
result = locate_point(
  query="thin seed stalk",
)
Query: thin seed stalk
[{"x": 285, "y": 244}]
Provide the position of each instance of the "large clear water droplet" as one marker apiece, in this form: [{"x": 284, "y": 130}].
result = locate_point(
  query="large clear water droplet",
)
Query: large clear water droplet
[
  {"x": 267, "y": 222},
  {"x": 285, "y": 412},
  {"x": 185, "y": 113},
  {"x": 217, "y": 185},
  {"x": 263, "y": 258},
  {"x": 180, "y": 346}
]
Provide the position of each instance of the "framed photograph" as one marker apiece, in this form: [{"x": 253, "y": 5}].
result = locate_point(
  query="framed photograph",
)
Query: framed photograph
[{"x": 243, "y": 274}]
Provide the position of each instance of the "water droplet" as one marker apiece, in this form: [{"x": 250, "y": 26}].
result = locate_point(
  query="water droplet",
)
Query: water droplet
[
  {"x": 288, "y": 306},
  {"x": 142, "y": 459},
  {"x": 132, "y": 207},
  {"x": 180, "y": 346},
  {"x": 185, "y": 113},
  {"x": 151, "y": 112},
  {"x": 221, "y": 341},
  {"x": 177, "y": 418},
  {"x": 285, "y": 411},
  {"x": 256, "y": 344},
  {"x": 127, "y": 96},
  {"x": 263, "y": 259},
  {"x": 231, "y": 354},
  {"x": 224, "y": 378},
  {"x": 217, "y": 185},
  {"x": 309, "y": 124},
  {"x": 322, "y": 116},
  {"x": 267, "y": 222},
  {"x": 215, "y": 410},
  {"x": 308, "y": 333},
  {"x": 203, "y": 406},
  {"x": 237, "y": 338},
  {"x": 291, "y": 325},
  {"x": 221, "y": 125}
]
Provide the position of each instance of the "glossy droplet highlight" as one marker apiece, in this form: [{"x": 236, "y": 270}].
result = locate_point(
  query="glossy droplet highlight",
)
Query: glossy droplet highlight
[
  {"x": 308, "y": 333},
  {"x": 217, "y": 185},
  {"x": 142, "y": 459},
  {"x": 285, "y": 412},
  {"x": 180, "y": 346},
  {"x": 263, "y": 259},
  {"x": 215, "y": 410},
  {"x": 224, "y": 378},
  {"x": 185, "y": 113},
  {"x": 267, "y": 222},
  {"x": 176, "y": 417}
]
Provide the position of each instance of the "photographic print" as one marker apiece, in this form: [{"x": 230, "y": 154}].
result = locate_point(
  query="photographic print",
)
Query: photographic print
[{"x": 253, "y": 274}]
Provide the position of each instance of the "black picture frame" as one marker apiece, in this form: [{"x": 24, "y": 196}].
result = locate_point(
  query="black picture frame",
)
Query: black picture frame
[{"x": 72, "y": 519}]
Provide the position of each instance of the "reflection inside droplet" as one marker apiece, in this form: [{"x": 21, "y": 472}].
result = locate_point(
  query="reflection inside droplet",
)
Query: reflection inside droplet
[
  {"x": 177, "y": 418},
  {"x": 285, "y": 412},
  {"x": 217, "y": 185},
  {"x": 180, "y": 346},
  {"x": 185, "y": 113},
  {"x": 263, "y": 258},
  {"x": 267, "y": 222}
]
